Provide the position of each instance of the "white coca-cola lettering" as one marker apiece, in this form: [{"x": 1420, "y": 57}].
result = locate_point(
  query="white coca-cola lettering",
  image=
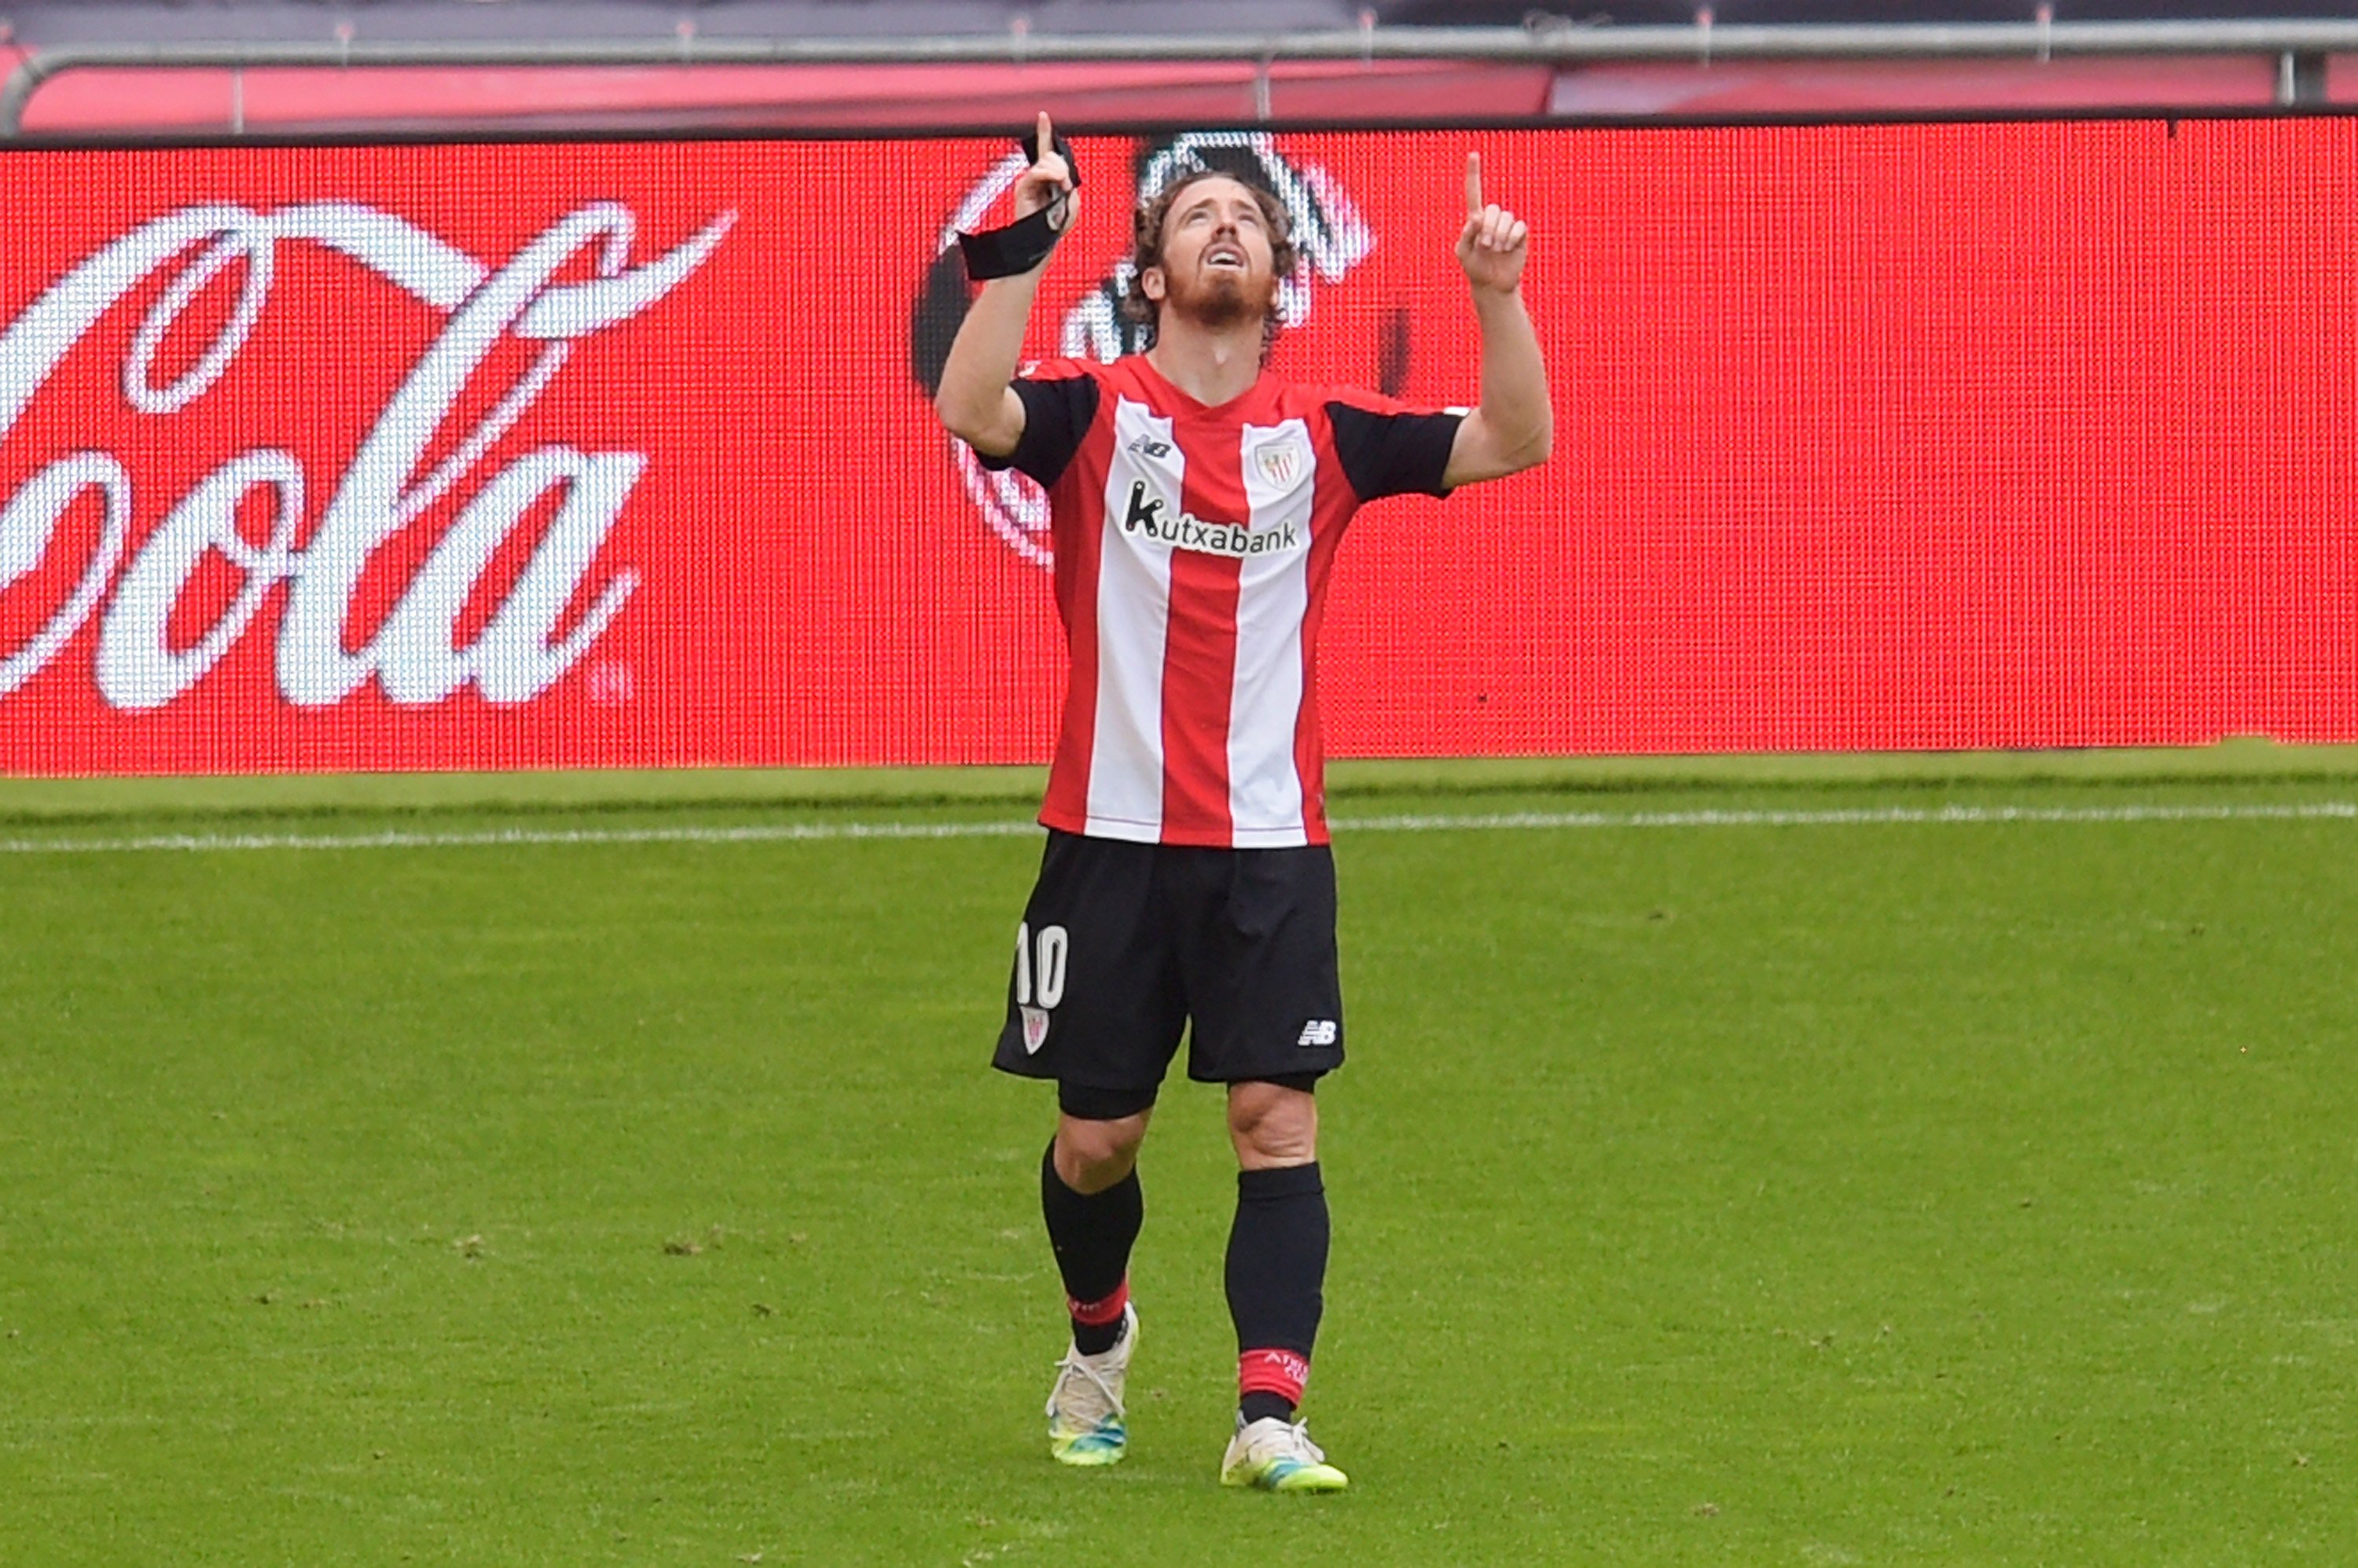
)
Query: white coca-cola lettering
[
  {"x": 415, "y": 653},
  {"x": 513, "y": 659},
  {"x": 137, "y": 667},
  {"x": 26, "y": 525}
]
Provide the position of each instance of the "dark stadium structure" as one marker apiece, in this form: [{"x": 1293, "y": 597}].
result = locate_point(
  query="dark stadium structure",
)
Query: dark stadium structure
[
  {"x": 50, "y": 23},
  {"x": 120, "y": 67}
]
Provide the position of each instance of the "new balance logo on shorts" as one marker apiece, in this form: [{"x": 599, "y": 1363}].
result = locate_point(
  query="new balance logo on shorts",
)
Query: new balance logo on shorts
[{"x": 1318, "y": 1031}]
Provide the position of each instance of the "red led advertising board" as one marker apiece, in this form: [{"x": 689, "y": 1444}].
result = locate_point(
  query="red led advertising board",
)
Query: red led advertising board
[{"x": 1923, "y": 436}]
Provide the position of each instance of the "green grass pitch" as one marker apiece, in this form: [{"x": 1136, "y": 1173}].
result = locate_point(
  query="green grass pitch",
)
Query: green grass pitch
[{"x": 1822, "y": 1192}]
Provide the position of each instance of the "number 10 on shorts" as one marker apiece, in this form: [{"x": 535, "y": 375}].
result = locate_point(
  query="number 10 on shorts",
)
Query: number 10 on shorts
[{"x": 1039, "y": 966}]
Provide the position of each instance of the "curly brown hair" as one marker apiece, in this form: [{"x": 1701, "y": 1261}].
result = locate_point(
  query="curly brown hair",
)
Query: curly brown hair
[{"x": 1146, "y": 248}]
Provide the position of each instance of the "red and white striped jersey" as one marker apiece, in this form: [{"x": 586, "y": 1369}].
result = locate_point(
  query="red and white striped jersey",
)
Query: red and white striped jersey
[{"x": 1193, "y": 544}]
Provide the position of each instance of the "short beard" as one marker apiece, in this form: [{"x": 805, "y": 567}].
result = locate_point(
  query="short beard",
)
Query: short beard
[{"x": 1217, "y": 304}]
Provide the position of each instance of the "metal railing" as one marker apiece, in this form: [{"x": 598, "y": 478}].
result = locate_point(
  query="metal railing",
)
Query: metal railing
[{"x": 2299, "y": 48}]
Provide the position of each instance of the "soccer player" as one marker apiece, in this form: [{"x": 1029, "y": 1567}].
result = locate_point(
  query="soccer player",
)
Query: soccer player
[{"x": 1195, "y": 502}]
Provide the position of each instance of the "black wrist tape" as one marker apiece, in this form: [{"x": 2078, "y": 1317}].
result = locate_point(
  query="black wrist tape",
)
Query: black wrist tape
[{"x": 1023, "y": 244}]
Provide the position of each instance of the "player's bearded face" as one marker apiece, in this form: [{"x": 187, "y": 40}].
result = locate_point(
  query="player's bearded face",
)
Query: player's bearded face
[{"x": 1217, "y": 264}]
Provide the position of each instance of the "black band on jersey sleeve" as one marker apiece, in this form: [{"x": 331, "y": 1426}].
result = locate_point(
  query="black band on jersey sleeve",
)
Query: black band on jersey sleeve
[
  {"x": 1393, "y": 454},
  {"x": 1056, "y": 415}
]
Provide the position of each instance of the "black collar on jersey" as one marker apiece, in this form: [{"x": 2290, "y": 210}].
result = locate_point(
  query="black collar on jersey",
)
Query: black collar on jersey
[{"x": 1023, "y": 244}]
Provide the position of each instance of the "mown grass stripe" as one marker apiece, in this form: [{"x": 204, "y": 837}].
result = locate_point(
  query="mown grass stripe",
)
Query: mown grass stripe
[{"x": 788, "y": 832}]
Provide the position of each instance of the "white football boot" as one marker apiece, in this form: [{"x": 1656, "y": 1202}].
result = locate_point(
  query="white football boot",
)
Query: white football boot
[
  {"x": 1278, "y": 1456},
  {"x": 1085, "y": 1413}
]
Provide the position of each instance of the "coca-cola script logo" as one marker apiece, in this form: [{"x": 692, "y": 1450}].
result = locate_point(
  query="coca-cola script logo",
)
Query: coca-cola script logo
[{"x": 414, "y": 653}]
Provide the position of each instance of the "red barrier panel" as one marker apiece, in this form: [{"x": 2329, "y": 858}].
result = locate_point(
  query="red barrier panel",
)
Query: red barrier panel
[{"x": 497, "y": 456}]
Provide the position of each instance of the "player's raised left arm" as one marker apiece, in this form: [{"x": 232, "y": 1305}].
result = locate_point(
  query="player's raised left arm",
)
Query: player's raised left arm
[{"x": 1513, "y": 427}]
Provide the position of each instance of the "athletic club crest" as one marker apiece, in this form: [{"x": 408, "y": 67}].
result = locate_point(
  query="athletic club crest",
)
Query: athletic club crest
[
  {"x": 1279, "y": 462},
  {"x": 1036, "y": 1030}
]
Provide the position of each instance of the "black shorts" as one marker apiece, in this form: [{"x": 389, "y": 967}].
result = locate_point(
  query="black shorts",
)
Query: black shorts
[{"x": 1123, "y": 945}]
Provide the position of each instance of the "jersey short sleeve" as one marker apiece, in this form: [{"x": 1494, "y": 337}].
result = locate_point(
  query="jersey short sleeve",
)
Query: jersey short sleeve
[
  {"x": 1060, "y": 399},
  {"x": 1389, "y": 448}
]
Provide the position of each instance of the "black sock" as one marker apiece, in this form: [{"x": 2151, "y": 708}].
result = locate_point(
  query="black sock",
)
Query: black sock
[
  {"x": 1276, "y": 1278},
  {"x": 1258, "y": 1406},
  {"x": 1092, "y": 1235}
]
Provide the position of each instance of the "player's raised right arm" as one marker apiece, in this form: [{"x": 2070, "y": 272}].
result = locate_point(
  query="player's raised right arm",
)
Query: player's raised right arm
[{"x": 975, "y": 400}]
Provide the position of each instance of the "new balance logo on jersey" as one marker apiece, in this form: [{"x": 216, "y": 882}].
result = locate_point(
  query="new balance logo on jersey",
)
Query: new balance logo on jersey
[
  {"x": 1148, "y": 447},
  {"x": 1144, "y": 516},
  {"x": 1318, "y": 1031}
]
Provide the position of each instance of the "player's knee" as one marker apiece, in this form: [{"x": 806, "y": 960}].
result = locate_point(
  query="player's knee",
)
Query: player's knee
[
  {"x": 1092, "y": 1155},
  {"x": 1272, "y": 1124}
]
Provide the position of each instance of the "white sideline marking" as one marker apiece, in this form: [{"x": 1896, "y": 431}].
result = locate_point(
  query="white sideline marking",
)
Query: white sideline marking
[
  {"x": 785, "y": 832},
  {"x": 493, "y": 838}
]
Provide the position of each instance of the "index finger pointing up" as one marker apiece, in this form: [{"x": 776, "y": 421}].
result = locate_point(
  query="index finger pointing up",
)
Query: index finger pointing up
[
  {"x": 1473, "y": 183},
  {"x": 1047, "y": 134}
]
